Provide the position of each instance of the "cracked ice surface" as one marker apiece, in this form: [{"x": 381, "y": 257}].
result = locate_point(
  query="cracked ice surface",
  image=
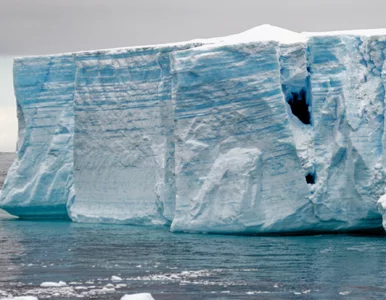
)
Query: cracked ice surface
[
  {"x": 347, "y": 86},
  {"x": 123, "y": 144},
  {"x": 237, "y": 169}
]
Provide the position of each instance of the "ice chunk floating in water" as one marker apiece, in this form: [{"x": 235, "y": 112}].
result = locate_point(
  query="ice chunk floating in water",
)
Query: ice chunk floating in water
[
  {"x": 53, "y": 284},
  {"x": 143, "y": 296},
  {"x": 266, "y": 131}
]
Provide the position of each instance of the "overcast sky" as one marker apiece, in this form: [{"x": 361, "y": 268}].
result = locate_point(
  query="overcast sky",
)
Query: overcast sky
[{"x": 50, "y": 26}]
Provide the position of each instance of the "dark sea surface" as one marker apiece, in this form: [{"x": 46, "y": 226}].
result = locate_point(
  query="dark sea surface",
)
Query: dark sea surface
[
  {"x": 6, "y": 160},
  {"x": 185, "y": 266}
]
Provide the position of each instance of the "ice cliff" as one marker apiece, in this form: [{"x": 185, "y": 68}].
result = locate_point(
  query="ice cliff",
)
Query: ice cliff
[
  {"x": 40, "y": 180},
  {"x": 267, "y": 131}
]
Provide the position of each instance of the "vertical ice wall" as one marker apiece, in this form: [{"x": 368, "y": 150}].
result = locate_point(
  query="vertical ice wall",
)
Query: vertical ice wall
[
  {"x": 260, "y": 136},
  {"x": 124, "y": 144},
  {"x": 39, "y": 182},
  {"x": 347, "y": 86},
  {"x": 237, "y": 168}
]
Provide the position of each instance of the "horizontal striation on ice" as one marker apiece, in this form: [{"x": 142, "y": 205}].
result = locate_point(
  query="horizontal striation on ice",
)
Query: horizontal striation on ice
[
  {"x": 124, "y": 132},
  {"x": 39, "y": 181},
  {"x": 123, "y": 144},
  {"x": 263, "y": 131},
  {"x": 237, "y": 168},
  {"x": 348, "y": 94}
]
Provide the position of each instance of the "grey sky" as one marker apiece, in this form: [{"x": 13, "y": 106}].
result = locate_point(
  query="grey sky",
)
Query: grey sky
[
  {"x": 29, "y": 27},
  {"x": 50, "y": 26}
]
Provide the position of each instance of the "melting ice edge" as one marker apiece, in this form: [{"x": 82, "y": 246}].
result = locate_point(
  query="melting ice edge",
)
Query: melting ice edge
[{"x": 266, "y": 131}]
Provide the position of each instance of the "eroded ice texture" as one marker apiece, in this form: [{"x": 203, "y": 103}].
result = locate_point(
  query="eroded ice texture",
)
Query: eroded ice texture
[
  {"x": 237, "y": 169},
  {"x": 124, "y": 144},
  {"x": 264, "y": 131},
  {"x": 347, "y": 86},
  {"x": 39, "y": 181}
]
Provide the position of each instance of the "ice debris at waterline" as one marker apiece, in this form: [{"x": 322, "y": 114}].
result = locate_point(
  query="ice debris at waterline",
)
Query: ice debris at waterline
[
  {"x": 267, "y": 131},
  {"x": 143, "y": 296},
  {"x": 20, "y": 298}
]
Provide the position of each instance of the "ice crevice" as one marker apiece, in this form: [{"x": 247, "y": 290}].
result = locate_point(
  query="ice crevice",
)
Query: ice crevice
[{"x": 266, "y": 131}]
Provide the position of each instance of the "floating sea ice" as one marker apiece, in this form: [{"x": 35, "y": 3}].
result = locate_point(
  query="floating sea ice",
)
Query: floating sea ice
[
  {"x": 103, "y": 290},
  {"x": 53, "y": 284},
  {"x": 344, "y": 293},
  {"x": 142, "y": 296},
  {"x": 21, "y": 298},
  {"x": 116, "y": 278}
]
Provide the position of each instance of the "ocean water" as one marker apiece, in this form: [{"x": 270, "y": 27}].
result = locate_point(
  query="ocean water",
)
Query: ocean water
[
  {"x": 185, "y": 266},
  {"x": 6, "y": 159}
]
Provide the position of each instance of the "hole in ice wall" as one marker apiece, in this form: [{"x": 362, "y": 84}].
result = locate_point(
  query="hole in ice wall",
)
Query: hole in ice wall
[
  {"x": 310, "y": 178},
  {"x": 299, "y": 106}
]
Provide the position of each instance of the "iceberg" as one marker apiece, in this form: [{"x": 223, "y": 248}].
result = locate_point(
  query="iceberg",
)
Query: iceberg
[
  {"x": 237, "y": 168},
  {"x": 266, "y": 131},
  {"x": 40, "y": 180},
  {"x": 348, "y": 96},
  {"x": 123, "y": 139}
]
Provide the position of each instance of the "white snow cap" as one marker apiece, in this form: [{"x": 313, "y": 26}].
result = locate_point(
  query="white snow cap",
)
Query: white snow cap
[
  {"x": 361, "y": 32},
  {"x": 268, "y": 32},
  {"x": 143, "y": 296},
  {"x": 262, "y": 33}
]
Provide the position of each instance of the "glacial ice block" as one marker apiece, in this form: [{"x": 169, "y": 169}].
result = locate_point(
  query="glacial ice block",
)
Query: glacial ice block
[
  {"x": 237, "y": 169},
  {"x": 124, "y": 143},
  {"x": 347, "y": 84},
  {"x": 39, "y": 181},
  {"x": 263, "y": 131}
]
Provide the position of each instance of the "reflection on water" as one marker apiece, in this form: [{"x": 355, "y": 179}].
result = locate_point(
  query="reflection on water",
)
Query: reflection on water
[{"x": 186, "y": 266}]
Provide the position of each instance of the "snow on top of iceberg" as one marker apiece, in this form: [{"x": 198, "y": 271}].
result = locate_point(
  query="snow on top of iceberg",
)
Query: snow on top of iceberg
[
  {"x": 266, "y": 32},
  {"x": 357, "y": 32},
  {"x": 261, "y": 33},
  {"x": 113, "y": 50}
]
